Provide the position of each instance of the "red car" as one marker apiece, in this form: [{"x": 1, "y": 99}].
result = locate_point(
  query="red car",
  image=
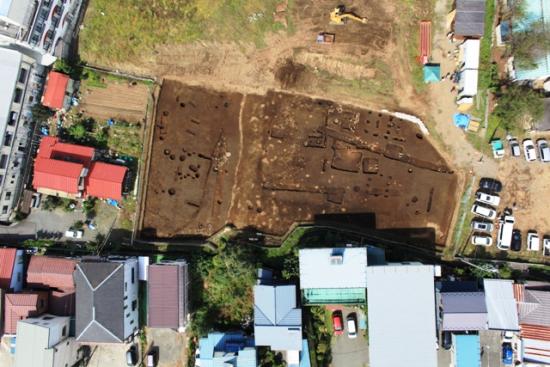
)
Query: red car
[{"x": 337, "y": 322}]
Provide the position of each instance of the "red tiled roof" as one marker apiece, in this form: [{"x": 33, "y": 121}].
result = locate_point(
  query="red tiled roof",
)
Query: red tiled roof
[
  {"x": 51, "y": 272},
  {"x": 54, "y": 91},
  {"x": 164, "y": 303},
  {"x": 62, "y": 303},
  {"x": 56, "y": 175},
  {"x": 535, "y": 332},
  {"x": 105, "y": 181},
  {"x": 52, "y": 147},
  {"x": 7, "y": 261},
  {"x": 19, "y": 306}
]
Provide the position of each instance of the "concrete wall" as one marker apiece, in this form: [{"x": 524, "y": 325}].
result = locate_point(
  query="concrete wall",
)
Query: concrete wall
[
  {"x": 18, "y": 270},
  {"x": 131, "y": 313}
]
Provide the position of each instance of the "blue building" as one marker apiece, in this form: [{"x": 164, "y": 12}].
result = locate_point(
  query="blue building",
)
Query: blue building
[{"x": 226, "y": 349}]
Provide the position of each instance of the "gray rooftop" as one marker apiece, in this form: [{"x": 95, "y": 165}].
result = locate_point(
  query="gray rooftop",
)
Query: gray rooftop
[
  {"x": 464, "y": 311},
  {"x": 401, "y": 316},
  {"x": 501, "y": 305},
  {"x": 333, "y": 268},
  {"x": 535, "y": 308},
  {"x": 470, "y": 18},
  {"x": 99, "y": 302},
  {"x": 277, "y": 321},
  {"x": 10, "y": 63}
]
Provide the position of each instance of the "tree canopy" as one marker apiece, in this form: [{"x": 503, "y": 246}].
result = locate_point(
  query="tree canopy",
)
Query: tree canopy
[
  {"x": 516, "y": 105},
  {"x": 529, "y": 43}
]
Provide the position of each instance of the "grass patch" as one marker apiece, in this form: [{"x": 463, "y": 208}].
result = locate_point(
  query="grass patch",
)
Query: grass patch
[
  {"x": 122, "y": 30},
  {"x": 127, "y": 213},
  {"x": 462, "y": 226},
  {"x": 125, "y": 139}
]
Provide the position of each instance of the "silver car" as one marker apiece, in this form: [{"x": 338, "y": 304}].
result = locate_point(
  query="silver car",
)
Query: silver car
[
  {"x": 544, "y": 150},
  {"x": 480, "y": 226}
]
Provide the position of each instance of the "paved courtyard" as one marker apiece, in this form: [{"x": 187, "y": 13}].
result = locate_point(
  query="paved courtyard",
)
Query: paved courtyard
[
  {"x": 348, "y": 352},
  {"x": 171, "y": 347}
]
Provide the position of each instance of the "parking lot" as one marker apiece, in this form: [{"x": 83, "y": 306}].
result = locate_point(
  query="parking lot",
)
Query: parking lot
[
  {"x": 525, "y": 184},
  {"x": 350, "y": 352},
  {"x": 171, "y": 346}
]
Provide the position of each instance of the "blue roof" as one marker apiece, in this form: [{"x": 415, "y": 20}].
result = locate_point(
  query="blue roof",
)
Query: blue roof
[
  {"x": 432, "y": 73},
  {"x": 222, "y": 349},
  {"x": 304, "y": 355},
  {"x": 535, "y": 10},
  {"x": 277, "y": 321},
  {"x": 467, "y": 350}
]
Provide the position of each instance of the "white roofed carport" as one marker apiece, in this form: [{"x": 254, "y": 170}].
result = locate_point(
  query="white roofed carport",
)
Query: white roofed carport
[{"x": 501, "y": 305}]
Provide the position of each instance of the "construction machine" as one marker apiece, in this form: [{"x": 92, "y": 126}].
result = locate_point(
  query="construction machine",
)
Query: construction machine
[{"x": 339, "y": 16}]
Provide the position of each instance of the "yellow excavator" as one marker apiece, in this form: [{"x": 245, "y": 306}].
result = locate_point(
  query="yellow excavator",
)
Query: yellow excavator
[{"x": 339, "y": 16}]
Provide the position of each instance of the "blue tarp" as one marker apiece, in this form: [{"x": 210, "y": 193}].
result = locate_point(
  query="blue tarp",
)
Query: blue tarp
[
  {"x": 461, "y": 120},
  {"x": 432, "y": 73}
]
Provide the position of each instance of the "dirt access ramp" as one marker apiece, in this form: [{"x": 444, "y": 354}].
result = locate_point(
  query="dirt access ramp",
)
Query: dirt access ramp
[
  {"x": 266, "y": 161},
  {"x": 120, "y": 100}
]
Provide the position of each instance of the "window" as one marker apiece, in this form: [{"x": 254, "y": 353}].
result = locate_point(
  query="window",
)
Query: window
[
  {"x": 131, "y": 322},
  {"x": 125, "y": 287},
  {"x": 13, "y": 118},
  {"x": 133, "y": 275},
  {"x": 47, "y": 318},
  {"x": 127, "y": 315},
  {"x": 19, "y": 278},
  {"x": 5, "y": 209},
  {"x": 41, "y": 303},
  {"x": 22, "y": 75},
  {"x": 134, "y": 305},
  {"x": 64, "y": 331},
  {"x": 7, "y": 196},
  {"x": 7, "y": 139},
  {"x": 18, "y": 95},
  {"x": 3, "y": 161}
]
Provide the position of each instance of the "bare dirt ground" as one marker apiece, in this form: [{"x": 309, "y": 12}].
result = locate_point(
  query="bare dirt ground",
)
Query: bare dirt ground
[
  {"x": 118, "y": 100},
  {"x": 267, "y": 161},
  {"x": 368, "y": 63}
]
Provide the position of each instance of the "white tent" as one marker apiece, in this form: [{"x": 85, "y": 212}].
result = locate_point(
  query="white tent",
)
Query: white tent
[
  {"x": 468, "y": 83},
  {"x": 470, "y": 54}
]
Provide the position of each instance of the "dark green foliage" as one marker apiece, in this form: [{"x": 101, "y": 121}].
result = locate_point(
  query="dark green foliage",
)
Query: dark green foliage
[
  {"x": 269, "y": 358},
  {"x": 530, "y": 43},
  {"x": 291, "y": 269},
  {"x": 88, "y": 206},
  {"x": 41, "y": 113},
  {"x": 319, "y": 333},
  {"x": 517, "y": 104},
  {"x": 52, "y": 202}
]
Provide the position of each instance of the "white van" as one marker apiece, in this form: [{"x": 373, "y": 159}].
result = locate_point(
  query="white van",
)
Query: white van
[
  {"x": 504, "y": 238},
  {"x": 352, "y": 326}
]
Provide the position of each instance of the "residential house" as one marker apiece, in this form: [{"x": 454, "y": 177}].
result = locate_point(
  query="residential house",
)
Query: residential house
[
  {"x": 232, "y": 349},
  {"x": 58, "y": 91},
  {"x": 106, "y": 300},
  {"x": 11, "y": 269},
  {"x": 167, "y": 295},
  {"x": 463, "y": 311},
  {"x": 466, "y": 351},
  {"x": 44, "y": 341},
  {"x": 277, "y": 319},
  {"x": 45, "y": 26},
  {"x": 19, "y": 306},
  {"x": 333, "y": 275},
  {"x": 401, "y": 315},
  {"x": 533, "y": 301},
  {"x": 534, "y": 11},
  {"x": 19, "y": 91},
  {"x": 502, "y": 312},
  {"x": 55, "y": 275},
  {"x": 469, "y": 19},
  {"x": 69, "y": 170}
]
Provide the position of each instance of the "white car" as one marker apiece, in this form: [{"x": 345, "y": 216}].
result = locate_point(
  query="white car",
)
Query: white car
[
  {"x": 74, "y": 234},
  {"x": 544, "y": 150},
  {"x": 484, "y": 211},
  {"x": 351, "y": 324},
  {"x": 546, "y": 246},
  {"x": 529, "y": 150},
  {"x": 507, "y": 336},
  {"x": 533, "y": 241},
  {"x": 514, "y": 147},
  {"x": 481, "y": 240},
  {"x": 482, "y": 197}
]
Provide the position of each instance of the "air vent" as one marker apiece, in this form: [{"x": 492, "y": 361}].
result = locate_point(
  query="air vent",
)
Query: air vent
[{"x": 336, "y": 260}]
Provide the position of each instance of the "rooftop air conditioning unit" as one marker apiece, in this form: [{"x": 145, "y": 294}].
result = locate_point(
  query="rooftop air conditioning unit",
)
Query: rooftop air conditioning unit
[{"x": 336, "y": 260}]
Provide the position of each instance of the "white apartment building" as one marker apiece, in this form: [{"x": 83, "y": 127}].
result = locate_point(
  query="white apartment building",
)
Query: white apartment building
[
  {"x": 46, "y": 26},
  {"x": 19, "y": 90}
]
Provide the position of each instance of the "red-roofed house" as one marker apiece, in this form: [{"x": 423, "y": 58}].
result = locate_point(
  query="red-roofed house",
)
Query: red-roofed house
[
  {"x": 105, "y": 181},
  {"x": 52, "y": 147},
  {"x": 19, "y": 306},
  {"x": 11, "y": 269},
  {"x": 56, "y": 275},
  {"x": 57, "y": 91}
]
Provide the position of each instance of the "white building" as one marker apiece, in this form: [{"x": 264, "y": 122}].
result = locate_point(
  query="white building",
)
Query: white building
[
  {"x": 43, "y": 341},
  {"x": 20, "y": 88},
  {"x": 46, "y": 26}
]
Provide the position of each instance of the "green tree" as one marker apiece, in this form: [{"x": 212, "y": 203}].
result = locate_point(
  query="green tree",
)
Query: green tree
[
  {"x": 505, "y": 271},
  {"x": 291, "y": 267},
  {"x": 530, "y": 43},
  {"x": 88, "y": 207},
  {"x": 41, "y": 113},
  {"x": 517, "y": 104},
  {"x": 50, "y": 203},
  {"x": 77, "y": 131},
  {"x": 228, "y": 280},
  {"x": 269, "y": 358}
]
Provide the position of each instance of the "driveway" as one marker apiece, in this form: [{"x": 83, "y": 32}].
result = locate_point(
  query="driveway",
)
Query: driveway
[
  {"x": 113, "y": 355},
  {"x": 171, "y": 347},
  {"x": 348, "y": 352}
]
